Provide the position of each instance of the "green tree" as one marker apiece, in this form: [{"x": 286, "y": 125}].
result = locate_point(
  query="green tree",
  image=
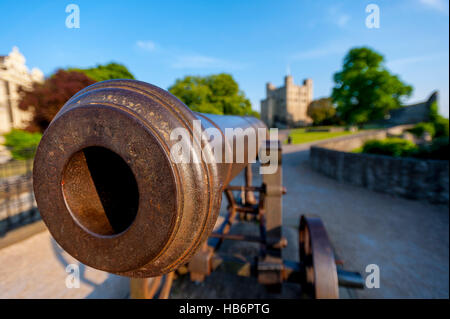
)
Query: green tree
[
  {"x": 440, "y": 123},
  {"x": 322, "y": 111},
  {"x": 216, "y": 94},
  {"x": 22, "y": 144},
  {"x": 105, "y": 72},
  {"x": 46, "y": 99},
  {"x": 365, "y": 90}
]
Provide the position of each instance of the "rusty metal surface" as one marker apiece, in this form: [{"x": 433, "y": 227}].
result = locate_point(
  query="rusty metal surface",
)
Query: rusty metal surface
[
  {"x": 317, "y": 257},
  {"x": 267, "y": 210},
  {"x": 106, "y": 186}
]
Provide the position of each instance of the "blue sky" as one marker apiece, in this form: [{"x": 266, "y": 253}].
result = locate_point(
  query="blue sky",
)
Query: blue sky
[{"x": 254, "y": 40}]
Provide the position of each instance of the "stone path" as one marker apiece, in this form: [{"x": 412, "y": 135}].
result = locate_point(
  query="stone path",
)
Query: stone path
[
  {"x": 36, "y": 268},
  {"x": 407, "y": 239}
]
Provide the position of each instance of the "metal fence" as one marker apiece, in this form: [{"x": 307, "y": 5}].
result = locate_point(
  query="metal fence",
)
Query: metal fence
[
  {"x": 15, "y": 168},
  {"x": 17, "y": 203}
]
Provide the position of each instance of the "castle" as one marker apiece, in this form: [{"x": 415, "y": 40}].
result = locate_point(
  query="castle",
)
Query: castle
[
  {"x": 287, "y": 106},
  {"x": 14, "y": 75}
]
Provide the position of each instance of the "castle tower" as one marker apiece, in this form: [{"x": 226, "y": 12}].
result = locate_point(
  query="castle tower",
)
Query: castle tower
[{"x": 287, "y": 106}]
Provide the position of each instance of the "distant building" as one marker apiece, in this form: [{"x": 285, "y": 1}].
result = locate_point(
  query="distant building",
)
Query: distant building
[
  {"x": 14, "y": 75},
  {"x": 410, "y": 114},
  {"x": 287, "y": 106}
]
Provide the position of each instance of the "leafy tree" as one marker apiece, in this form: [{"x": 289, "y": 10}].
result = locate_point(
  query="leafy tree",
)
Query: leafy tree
[
  {"x": 22, "y": 144},
  {"x": 195, "y": 93},
  {"x": 441, "y": 126},
  {"x": 434, "y": 112},
  {"x": 216, "y": 94},
  {"x": 322, "y": 111},
  {"x": 365, "y": 90},
  {"x": 106, "y": 72},
  {"x": 440, "y": 123},
  {"x": 46, "y": 99}
]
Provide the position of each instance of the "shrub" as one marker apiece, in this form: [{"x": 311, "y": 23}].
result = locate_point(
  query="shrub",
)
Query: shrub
[
  {"x": 390, "y": 146},
  {"x": 421, "y": 128},
  {"x": 434, "y": 112},
  {"x": 437, "y": 149},
  {"x": 22, "y": 144},
  {"x": 440, "y": 123},
  {"x": 441, "y": 127}
]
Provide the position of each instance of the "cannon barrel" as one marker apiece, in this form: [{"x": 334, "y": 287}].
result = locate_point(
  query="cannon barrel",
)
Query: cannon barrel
[{"x": 110, "y": 189}]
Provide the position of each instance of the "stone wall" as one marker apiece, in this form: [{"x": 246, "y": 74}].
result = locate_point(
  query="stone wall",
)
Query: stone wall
[{"x": 406, "y": 177}]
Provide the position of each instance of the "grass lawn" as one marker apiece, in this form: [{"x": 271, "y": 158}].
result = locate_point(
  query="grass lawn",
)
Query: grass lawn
[{"x": 299, "y": 136}]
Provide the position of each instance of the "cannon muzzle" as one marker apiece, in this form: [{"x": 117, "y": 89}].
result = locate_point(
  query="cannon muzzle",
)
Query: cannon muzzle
[{"x": 110, "y": 188}]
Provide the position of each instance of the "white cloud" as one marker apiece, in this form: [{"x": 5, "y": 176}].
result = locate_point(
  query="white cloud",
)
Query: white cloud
[
  {"x": 180, "y": 59},
  {"x": 342, "y": 20},
  {"x": 440, "y": 5},
  {"x": 336, "y": 16},
  {"x": 146, "y": 45},
  {"x": 202, "y": 62}
]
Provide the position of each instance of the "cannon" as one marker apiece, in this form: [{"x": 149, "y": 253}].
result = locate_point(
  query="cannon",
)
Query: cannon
[{"x": 127, "y": 182}]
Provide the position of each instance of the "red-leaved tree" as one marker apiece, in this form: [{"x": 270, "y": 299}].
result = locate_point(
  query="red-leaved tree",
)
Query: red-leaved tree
[{"x": 46, "y": 99}]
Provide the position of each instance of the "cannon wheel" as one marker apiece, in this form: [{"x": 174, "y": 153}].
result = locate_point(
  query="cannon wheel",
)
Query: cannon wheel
[{"x": 316, "y": 254}]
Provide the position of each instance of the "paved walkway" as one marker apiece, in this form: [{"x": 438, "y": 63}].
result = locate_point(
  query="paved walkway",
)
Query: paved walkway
[
  {"x": 36, "y": 268},
  {"x": 407, "y": 239}
]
